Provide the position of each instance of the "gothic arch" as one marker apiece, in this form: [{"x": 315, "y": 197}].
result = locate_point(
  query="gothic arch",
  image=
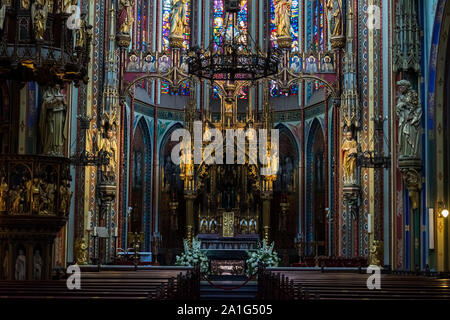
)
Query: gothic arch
[
  {"x": 315, "y": 225},
  {"x": 140, "y": 219}
]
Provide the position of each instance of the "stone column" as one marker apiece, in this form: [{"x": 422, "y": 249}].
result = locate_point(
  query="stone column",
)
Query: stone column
[{"x": 107, "y": 195}]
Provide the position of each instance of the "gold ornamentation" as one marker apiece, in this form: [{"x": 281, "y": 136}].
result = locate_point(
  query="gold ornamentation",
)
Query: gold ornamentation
[
  {"x": 375, "y": 253},
  {"x": 81, "y": 251},
  {"x": 25, "y": 4},
  {"x": 3, "y": 194},
  {"x": 39, "y": 13},
  {"x": 283, "y": 18},
  {"x": 349, "y": 152},
  {"x": 127, "y": 16},
  {"x": 178, "y": 22},
  {"x": 228, "y": 224}
]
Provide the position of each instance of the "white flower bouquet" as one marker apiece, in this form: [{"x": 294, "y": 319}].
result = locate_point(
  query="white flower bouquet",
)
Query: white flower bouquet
[
  {"x": 193, "y": 255},
  {"x": 263, "y": 254}
]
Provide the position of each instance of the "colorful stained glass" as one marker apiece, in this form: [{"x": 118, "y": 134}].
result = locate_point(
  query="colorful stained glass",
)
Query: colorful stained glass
[
  {"x": 318, "y": 26},
  {"x": 166, "y": 12},
  {"x": 142, "y": 10},
  {"x": 295, "y": 9},
  {"x": 218, "y": 32},
  {"x": 295, "y": 20}
]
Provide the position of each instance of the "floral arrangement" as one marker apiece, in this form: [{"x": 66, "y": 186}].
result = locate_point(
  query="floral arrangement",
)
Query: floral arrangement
[
  {"x": 263, "y": 254},
  {"x": 193, "y": 255}
]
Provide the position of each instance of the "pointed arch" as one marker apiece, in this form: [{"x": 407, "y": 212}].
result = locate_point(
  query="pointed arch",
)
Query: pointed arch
[{"x": 141, "y": 201}]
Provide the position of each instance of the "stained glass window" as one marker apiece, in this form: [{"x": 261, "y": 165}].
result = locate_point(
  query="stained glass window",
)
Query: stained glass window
[
  {"x": 318, "y": 26},
  {"x": 166, "y": 13},
  {"x": 295, "y": 19},
  {"x": 142, "y": 12},
  {"x": 218, "y": 32}
]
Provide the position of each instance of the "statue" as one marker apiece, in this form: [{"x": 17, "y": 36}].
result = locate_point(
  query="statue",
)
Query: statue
[
  {"x": 243, "y": 226},
  {"x": 80, "y": 34},
  {"x": 65, "y": 197},
  {"x": 3, "y": 194},
  {"x": 20, "y": 268},
  {"x": 81, "y": 249},
  {"x": 2, "y": 15},
  {"x": 16, "y": 196},
  {"x": 283, "y": 17},
  {"x": 335, "y": 21},
  {"x": 409, "y": 113},
  {"x": 53, "y": 121},
  {"x": 37, "y": 265},
  {"x": 39, "y": 13},
  {"x": 107, "y": 147},
  {"x": 349, "y": 151},
  {"x": 126, "y": 16},
  {"x": 51, "y": 190},
  {"x": 178, "y": 18},
  {"x": 204, "y": 226}
]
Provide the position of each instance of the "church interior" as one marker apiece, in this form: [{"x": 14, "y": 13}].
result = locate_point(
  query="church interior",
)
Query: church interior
[{"x": 116, "y": 118}]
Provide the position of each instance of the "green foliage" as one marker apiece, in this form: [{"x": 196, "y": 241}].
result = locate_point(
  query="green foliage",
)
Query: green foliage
[
  {"x": 263, "y": 254},
  {"x": 193, "y": 255}
]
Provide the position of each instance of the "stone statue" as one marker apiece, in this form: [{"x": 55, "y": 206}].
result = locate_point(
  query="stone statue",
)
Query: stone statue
[
  {"x": 20, "y": 267},
  {"x": 283, "y": 17},
  {"x": 178, "y": 18},
  {"x": 37, "y": 266},
  {"x": 409, "y": 113},
  {"x": 335, "y": 23},
  {"x": 39, "y": 13},
  {"x": 126, "y": 16},
  {"x": 349, "y": 151},
  {"x": 3, "y": 194},
  {"x": 53, "y": 121},
  {"x": 107, "y": 147}
]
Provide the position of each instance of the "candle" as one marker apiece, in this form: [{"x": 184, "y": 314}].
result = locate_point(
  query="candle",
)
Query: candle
[
  {"x": 116, "y": 232},
  {"x": 95, "y": 231}
]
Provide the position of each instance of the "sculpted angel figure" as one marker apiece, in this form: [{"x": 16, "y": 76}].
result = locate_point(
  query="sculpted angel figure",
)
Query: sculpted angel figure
[
  {"x": 178, "y": 18},
  {"x": 283, "y": 17},
  {"x": 107, "y": 146}
]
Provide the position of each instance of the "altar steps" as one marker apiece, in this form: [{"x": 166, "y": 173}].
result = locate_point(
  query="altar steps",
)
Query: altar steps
[{"x": 218, "y": 290}]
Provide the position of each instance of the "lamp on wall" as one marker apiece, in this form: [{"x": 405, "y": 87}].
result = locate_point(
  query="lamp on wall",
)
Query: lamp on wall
[{"x": 442, "y": 210}]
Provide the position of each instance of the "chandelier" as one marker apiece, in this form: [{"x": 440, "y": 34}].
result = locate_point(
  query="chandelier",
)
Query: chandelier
[{"x": 232, "y": 54}]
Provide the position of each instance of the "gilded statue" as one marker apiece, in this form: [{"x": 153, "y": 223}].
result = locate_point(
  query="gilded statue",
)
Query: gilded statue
[
  {"x": 409, "y": 113},
  {"x": 53, "y": 121},
  {"x": 335, "y": 23},
  {"x": 81, "y": 251},
  {"x": 349, "y": 151},
  {"x": 80, "y": 35},
  {"x": 283, "y": 17},
  {"x": 107, "y": 147},
  {"x": 3, "y": 194},
  {"x": 126, "y": 16},
  {"x": 178, "y": 18},
  {"x": 39, "y": 13}
]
